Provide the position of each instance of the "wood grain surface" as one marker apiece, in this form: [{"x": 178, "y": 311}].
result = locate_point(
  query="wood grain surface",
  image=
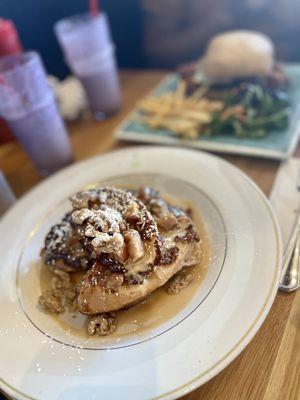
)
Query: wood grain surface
[{"x": 269, "y": 368}]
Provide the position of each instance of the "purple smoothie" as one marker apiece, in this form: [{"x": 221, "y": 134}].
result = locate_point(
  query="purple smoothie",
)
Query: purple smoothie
[
  {"x": 28, "y": 106},
  {"x": 90, "y": 54},
  {"x": 103, "y": 92},
  {"x": 43, "y": 135}
]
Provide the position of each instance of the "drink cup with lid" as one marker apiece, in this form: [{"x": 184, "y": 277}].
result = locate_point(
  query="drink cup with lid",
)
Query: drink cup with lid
[
  {"x": 29, "y": 107},
  {"x": 89, "y": 51}
]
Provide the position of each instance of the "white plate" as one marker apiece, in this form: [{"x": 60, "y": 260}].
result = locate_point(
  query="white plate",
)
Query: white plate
[{"x": 40, "y": 360}]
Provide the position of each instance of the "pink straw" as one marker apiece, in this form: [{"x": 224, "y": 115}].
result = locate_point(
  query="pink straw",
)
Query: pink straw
[{"x": 94, "y": 8}]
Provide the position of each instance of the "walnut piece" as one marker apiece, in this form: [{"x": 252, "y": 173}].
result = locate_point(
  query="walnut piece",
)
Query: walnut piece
[
  {"x": 62, "y": 249},
  {"x": 82, "y": 199},
  {"x": 102, "y": 220},
  {"x": 106, "y": 219},
  {"x": 178, "y": 283},
  {"x": 105, "y": 243},
  {"x": 62, "y": 293},
  {"x": 167, "y": 221},
  {"x": 132, "y": 212},
  {"x": 79, "y": 216},
  {"x": 102, "y": 324},
  {"x": 135, "y": 245},
  {"x": 51, "y": 302},
  {"x": 60, "y": 281}
]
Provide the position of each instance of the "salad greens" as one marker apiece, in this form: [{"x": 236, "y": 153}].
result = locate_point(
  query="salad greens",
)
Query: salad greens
[{"x": 251, "y": 109}]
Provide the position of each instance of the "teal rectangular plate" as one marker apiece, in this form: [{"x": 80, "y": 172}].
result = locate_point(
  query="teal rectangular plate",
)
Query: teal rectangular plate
[{"x": 276, "y": 144}]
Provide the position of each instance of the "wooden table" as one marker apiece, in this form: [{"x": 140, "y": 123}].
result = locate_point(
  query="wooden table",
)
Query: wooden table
[{"x": 269, "y": 368}]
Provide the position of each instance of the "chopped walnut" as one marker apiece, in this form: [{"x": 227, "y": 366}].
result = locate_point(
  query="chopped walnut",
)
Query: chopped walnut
[
  {"x": 132, "y": 212},
  {"x": 102, "y": 324},
  {"x": 106, "y": 219},
  {"x": 162, "y": 212},
  {"x": 135, "y": 245},
  {"x": 62, "y": 249},
  {"x": 105, "y": 243},
  {"x": 90, "y": 231},
  {"x": 158, "y": 207},
  {"x": 61, "y": 280},
  {"x": 82, "y": 199},
  {"x": 71, "y": 297},
  {"x": 49, "y": 301},
  {"x": 62, "y": 293},
  {"x": 102, "y": 219},
  {"x": 178, "y": 283},
  {"x": 167, "y": 221},
  {"x": 145, "y": 193},
  {"x": 79, "y": 216}
]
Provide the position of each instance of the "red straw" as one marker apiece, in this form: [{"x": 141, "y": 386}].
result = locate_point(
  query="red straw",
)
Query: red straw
[
  {"x": 94, "y": 8},
  {"x": 5, "y": 86}
]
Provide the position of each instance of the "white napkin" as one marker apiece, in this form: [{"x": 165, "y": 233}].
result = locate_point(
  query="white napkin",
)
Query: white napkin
[{"x": 285, "y": 198}]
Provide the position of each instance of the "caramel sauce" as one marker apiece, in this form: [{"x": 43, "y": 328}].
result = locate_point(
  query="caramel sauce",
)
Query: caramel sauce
[{"x": 156, "y": 309}]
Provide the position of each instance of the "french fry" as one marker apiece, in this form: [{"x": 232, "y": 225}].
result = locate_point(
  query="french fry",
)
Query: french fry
[
  {"x": 183, "y": 115},
  {"x": 179, "y": 94},
  {"x": 199, "y": 93}
]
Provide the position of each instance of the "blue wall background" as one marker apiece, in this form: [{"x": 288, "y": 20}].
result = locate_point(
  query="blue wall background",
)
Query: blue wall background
[{"x": 34, "y": 20}]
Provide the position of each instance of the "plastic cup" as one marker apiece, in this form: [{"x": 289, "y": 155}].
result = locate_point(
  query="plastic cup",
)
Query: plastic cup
[
  {"x": 7, "y": 197},
  {"x": 29, "y": 107},
  {"x": 87, "y": 46}
]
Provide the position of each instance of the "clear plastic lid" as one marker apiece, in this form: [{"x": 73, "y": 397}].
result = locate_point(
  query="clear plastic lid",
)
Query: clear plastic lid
[
  {"x": 83, "y": 35},
  {"x": 23, "y": 84}
]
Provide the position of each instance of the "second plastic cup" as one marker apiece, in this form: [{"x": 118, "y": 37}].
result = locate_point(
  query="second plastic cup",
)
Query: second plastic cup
[
  {"x": 7, "y": 197},
  {"x": 89, "y": 52}
]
